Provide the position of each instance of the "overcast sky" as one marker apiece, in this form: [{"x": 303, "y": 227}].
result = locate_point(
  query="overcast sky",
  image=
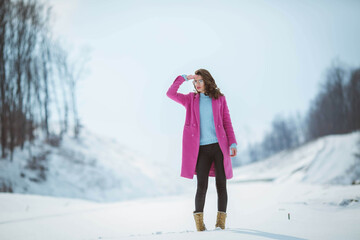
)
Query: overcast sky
[{"x": 267, "y": 57}]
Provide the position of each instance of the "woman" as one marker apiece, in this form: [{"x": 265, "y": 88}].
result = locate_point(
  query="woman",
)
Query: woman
[{"x": 208, "y": 139}]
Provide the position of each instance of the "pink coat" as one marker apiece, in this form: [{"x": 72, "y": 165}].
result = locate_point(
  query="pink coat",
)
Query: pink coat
[{"x": 191, "y": 133}]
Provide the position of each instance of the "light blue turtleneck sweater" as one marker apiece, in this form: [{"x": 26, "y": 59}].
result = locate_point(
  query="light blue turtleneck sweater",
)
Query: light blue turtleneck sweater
[{"x": 207, "y": 125}]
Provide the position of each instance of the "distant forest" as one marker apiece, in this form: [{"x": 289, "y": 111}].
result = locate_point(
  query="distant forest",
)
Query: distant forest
[{"x": 334, "y": 110}]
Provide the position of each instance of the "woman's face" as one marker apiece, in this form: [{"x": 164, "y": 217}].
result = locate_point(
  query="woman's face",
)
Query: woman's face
[{"x": 199, "y": 85}]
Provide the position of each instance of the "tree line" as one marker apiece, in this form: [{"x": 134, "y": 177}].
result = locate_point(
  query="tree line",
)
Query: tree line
[
  {"x": 334, "y": 110},
  {"x": 37, "y": 78}
]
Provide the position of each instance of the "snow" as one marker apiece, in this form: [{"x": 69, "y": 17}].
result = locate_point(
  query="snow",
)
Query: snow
[
  {"x": 94, "y": 167},
  {"x": 310, "y": 184},
  {"x": 257, "y": 210},
  {"x": 327, "y": 160}
]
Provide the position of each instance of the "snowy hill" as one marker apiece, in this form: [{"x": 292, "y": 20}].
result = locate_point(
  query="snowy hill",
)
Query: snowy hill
[
  {"x": 94, "y": 167},
  {"x": 100, "y": 169},
  {"x": 328, "y": 160},
  {"x": 296, "y": 200}
]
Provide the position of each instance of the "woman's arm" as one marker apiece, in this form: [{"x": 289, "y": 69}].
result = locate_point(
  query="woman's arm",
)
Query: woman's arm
[
  {"x": 228, "y": 125},
  {"x": 172, "y": 92},
  {"x": 184, "y": 76}
]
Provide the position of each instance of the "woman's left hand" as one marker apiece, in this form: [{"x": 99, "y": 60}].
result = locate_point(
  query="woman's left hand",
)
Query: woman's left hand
[{"x": 233, "y": 152}]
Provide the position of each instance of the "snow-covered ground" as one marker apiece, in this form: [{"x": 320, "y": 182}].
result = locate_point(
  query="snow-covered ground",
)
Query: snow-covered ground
[
  {"x": 305, "y": 193},
  {"x": 257, "y": 210}
]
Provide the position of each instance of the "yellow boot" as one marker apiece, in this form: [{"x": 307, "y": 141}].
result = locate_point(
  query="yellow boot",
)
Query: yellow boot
[
  {"x": 199, "y": 220},
  {"x": 220, "y": 220}
]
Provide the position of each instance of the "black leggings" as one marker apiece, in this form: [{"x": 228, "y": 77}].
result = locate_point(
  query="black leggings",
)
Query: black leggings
[{"x": 207, "y": 154}]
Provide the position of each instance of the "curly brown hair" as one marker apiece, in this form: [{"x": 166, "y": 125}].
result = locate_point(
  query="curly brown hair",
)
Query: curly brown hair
[{"x": 211, "y": 88}]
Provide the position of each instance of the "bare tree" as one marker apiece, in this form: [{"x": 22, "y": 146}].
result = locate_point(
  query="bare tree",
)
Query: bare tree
[
  {"x": 335, "y": 109},
  {"x": 29, "y": 72},
  {"x": 283, "y": 135},
  {"x": 353, "y": 99}
]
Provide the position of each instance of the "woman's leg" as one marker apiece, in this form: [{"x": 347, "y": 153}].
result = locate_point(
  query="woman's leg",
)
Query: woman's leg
[
  {"x": 220, "y": 178},
  {"x": 202, "y": 172}
]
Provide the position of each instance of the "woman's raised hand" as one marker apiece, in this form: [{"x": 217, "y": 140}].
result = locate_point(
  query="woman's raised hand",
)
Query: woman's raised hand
[{"x": 190, "y": 76}]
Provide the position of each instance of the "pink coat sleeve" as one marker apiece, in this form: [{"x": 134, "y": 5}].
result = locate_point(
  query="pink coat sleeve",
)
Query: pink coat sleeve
[
  {"x": 228, "y": 125},
  {"x": 174, "y": 95}
]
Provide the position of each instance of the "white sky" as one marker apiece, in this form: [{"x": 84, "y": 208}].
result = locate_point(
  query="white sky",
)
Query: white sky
[{"x": 267, "y": 57}]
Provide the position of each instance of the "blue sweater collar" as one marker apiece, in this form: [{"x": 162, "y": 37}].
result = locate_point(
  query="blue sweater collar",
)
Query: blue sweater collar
[{"x": 203, "y": 95}]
